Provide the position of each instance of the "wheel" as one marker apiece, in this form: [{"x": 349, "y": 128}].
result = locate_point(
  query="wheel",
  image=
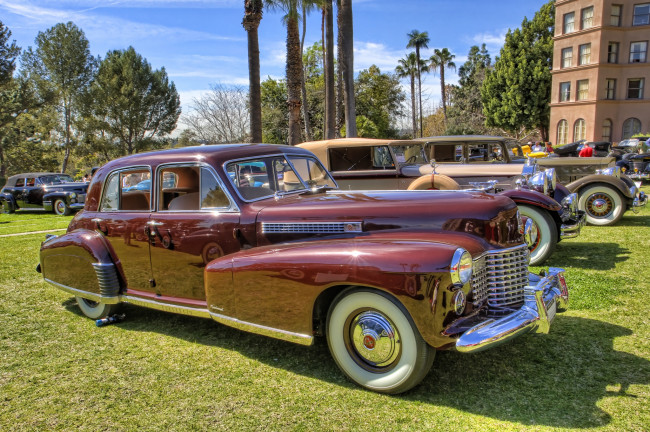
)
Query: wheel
[
  {"x": 374, "y": 342},
  {"x": 61, "y": 208},
  {"x": 603, "y": 204},
  {"x": 547, "y": 236},
  {"x": 7, "y": 207},
  {"x": 95, "y": 310}
]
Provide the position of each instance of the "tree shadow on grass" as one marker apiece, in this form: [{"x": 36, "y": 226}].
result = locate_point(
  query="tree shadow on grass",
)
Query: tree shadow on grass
[{"x": 552, "y": 380}]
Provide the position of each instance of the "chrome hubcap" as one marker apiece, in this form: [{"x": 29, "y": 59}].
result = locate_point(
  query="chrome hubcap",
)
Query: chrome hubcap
[
  {"x": 599, "y": 205},
  {"x": 375, "y": 339},
  {"x": 60, "y": 207}
]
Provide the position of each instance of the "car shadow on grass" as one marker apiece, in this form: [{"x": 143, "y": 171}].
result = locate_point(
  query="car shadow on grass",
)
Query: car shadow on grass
[
  {"x": 554, "y": 380},
  {"x": 632, "y": 220},
  {"x": 587, "y": 255}
]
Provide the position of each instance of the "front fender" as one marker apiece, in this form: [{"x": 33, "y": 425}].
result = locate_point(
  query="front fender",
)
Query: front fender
[
  {"x": 537, "y": 199},
  {"x": 7, "y": 203},
  {"x": 278, "y": 286},
  {"x": 80, "y": 263},
  {"x": 616, "y": 182}
]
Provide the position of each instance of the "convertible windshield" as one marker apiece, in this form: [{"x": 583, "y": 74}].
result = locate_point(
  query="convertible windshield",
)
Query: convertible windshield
[
  {"x": 56, "y": 179},
  {"x": 409, "y": 154},
  {"x": 264, "y": 177}
]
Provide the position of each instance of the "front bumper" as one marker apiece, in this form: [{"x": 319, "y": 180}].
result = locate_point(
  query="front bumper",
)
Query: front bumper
[
  {"x": 639, "y": 201},
  {"x": 543, "y": 298},
  {"x": 571, "y": 228},
  {"x": 638, "y": 176}
]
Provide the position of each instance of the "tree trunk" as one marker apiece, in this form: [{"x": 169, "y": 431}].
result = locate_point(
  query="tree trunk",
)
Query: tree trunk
[
  {"x": 330, "y": 97},
  {"x": 417, "y": 55},
  {"x": 66, "y": 154},
  {"x": 294, "y": 79},
  {"x": 444, "y": 96},
  {"x": 413, "y": 107},
  {"x": 252, "y": 17},
  {"x": 347, "y": 66},
  {"x": 305, "y": 103}
]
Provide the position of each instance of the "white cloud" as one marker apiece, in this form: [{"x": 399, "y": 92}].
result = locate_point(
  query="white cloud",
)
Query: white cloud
[{"x": 367, "y": 54}]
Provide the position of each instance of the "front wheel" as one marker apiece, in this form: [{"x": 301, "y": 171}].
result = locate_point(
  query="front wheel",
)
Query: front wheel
[
  {"x": 95, "y": 310},
  {"x": 547, "y": 236},
  {"x": 374, "y": 342},
  {"x": 602, "y": 204},
  {"x": 61, "y": 208}
]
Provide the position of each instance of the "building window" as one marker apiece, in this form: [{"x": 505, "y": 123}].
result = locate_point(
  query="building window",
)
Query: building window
[
  {"x": 562, "y": 132},
  {"x": 579, "y": 130},
  {"x": 587, "y": 17},
  {"x": 615, "y": 17},
  {"x": 583, "y": 90},
  {"x": 635, "y": 88},
  {"x": 638, "y": 52},
  {"x": 631, "y": 126},
  {"x": 612, "y": 52},
  {"x": 568, "y": 22},
  {"x": 610, "y": 88},
  {"x": 585, "y": 54},
  {"x": 565, "y": 91},
  {"x": 567, "y": 57},
  {"x": 641, "y": 14},
  {"x": 607, "y": 130}
]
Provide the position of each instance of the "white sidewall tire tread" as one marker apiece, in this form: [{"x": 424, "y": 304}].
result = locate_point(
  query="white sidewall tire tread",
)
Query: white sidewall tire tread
[
  {"x": 416, "y": 356},
  {"x": 546, "y": 229},
  {"x": 98, "y": 311}
]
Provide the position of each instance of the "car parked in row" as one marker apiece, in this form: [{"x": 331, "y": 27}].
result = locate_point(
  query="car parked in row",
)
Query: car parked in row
[
  {"x": 43, "y": 191},
  {"x": 258, "y": 237}
]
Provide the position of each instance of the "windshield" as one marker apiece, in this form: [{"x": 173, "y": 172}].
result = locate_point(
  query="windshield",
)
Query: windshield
[
  {"x": 628, "y": 143},
  {"x": 515, "y": 151},
  {"x": 264, "y": 177},
  {"x": 56, "y": 179},
  {"x": 409, "y": 154}
]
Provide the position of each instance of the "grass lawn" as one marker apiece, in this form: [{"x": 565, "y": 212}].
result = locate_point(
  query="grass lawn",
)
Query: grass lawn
[{"x": 158, "y": 371}]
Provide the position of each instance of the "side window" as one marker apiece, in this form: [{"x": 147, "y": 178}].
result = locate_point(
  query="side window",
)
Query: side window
[
  {"x": 212, "y": 195},
  {"x": 111, "y": 195},
  {"x": 30, "y": 182},
  {"x": 179, "y": 188},
  {"x": 136, "y": 190},
  {"x": 252, "y": 178},
  {"x": 446, "y": 152},
  {"x": 20, "y": 182},
  {"x": 358, "y": 158},
  {"x": 311, "y": 172}
]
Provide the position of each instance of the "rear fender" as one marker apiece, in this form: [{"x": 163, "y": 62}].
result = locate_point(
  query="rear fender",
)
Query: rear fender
[
  {"x": 615, "y": 182},
  {"x": 282, "y": 287},
  {"x": 80, "y": 263},
  {"x": 7, "y": 203}
]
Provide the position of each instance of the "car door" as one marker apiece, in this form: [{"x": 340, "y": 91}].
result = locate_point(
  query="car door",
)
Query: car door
[
  {"x": 122, "y": 218},
  {"x": 194, "y": 223},
  {"x": 18, "y": 192}
]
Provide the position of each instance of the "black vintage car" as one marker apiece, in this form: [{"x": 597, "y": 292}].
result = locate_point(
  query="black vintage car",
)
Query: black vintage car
[{"x": 43, "y": 191}]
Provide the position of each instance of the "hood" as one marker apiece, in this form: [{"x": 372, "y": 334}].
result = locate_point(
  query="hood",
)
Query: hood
[
  {"x": 70, "y": 187},
  {"x": 441, "y": 216},
  {"x": 464, "y": 170}
]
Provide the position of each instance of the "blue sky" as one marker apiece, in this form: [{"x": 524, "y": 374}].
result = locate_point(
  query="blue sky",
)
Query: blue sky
[{"x": 202, "y": 42}]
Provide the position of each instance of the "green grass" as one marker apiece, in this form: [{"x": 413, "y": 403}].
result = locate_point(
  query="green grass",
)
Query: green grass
[{"x": 158, "y": 371}]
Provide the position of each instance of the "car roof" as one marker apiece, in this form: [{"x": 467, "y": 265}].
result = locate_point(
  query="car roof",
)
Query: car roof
[
  {"x": 36, "y": 174},
  {"x": 464, "y": 138}
]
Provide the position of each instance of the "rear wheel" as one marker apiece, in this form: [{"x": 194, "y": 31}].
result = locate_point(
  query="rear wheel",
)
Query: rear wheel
[
  {"x": 375, "y": 343},
  {"x": 603, "y": 204},
  {"x": 61, "y": 208},
  {"x": 547, "y": 236},
  {"x": 95, "y": 310}
]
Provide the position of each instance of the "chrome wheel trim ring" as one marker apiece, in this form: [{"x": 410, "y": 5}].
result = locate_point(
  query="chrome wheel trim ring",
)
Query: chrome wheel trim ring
[
  {"x": 374, "y": 340},
  {"x": 600, "y": 205},
  {"x": 60, "y": 207}
]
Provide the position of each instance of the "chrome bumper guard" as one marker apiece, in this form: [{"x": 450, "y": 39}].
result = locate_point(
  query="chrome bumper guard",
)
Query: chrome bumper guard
[
  {"x": 639, "y": 201},
  {"x": 638, "y": 176},
  {"x": 572, "y": 227},
  {"x": 542, "y": 299}
]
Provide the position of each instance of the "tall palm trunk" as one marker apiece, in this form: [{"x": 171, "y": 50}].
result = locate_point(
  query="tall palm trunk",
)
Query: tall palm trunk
[
  {"x": 252, "y": 16},
  {"x": 294, "y": 78},
  {"x": 330, "y": 96},
  {"x": 417, "y": 55},
  {"x": 303, "y": 85},
  {"x": 347, "y": 66},
  {"x": 413, "y": 107},
  {"x": 340, "y": 110},
  {"x": 444, "y": 96}
]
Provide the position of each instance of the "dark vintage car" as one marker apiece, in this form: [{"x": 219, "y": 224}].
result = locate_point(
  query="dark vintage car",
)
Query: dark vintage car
[
  {"x": 603, "y": 194},
  {"x": 374, "y": 164},
  {"x": 43, "y": 191},
  {"x": 256, "y": 237}
]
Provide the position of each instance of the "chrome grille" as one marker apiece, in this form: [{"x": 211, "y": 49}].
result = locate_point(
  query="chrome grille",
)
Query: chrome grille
[
  {"x": 499, "y": 277},
  {"x": 311, "y": 227}
]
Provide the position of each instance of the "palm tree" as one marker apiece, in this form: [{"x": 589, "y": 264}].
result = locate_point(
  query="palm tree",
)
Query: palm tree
[
  {"x": 408, "y": 68},
  {"x": 418, "y": 40},
  {"x": 346, "y": 63},
  {"x": 328, "y": 71},
  {"x": 252, "y": 16},
  {"x": 442, "y": 59}
]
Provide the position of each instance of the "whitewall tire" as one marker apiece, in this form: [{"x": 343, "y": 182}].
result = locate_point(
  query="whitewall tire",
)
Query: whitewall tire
[
  {"x": 61, "y": 208},
  {"x": 375, "y": 343},
  {"x": 547, "y": 236},
  {"x": 603, "y": 204},
  {"x": 95, "y": 310}
]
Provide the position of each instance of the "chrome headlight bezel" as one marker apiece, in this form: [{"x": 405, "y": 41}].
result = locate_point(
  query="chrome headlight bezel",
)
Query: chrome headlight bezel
[
  {"x": 570, "y": 203},
  {"x": 552, "y": 180},
  {"x": 539, "y": 182},
  {"x": 72, "y": 195},
  {"x": 460, "y": 268}
]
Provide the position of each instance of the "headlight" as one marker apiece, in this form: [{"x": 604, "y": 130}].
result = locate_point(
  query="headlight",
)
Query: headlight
[
  {"x": 461, "y": 267},
  {"x": 73, "y": 195},
  {"x": 552, "y": 179},
  {"x": 539, "y": 182},
  {"x": 570, "y": 202}
]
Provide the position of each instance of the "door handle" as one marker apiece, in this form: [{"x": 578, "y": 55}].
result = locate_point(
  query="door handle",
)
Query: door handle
[{"x": 154, "y": 223}]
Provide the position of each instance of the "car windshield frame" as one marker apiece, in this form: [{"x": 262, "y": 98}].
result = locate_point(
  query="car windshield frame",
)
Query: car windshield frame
[{"x": 270, "y": 189}]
